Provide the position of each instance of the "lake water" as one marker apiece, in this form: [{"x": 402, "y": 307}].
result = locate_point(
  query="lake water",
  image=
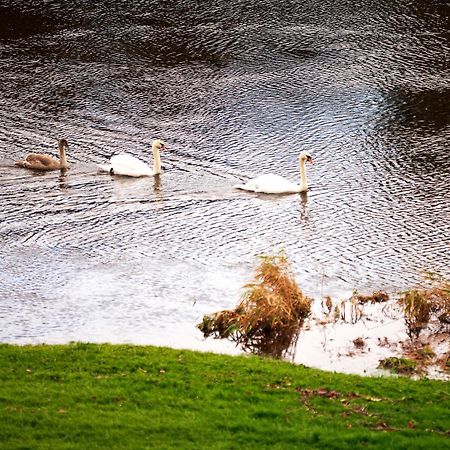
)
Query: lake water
[{"x": 236, "y": 89}]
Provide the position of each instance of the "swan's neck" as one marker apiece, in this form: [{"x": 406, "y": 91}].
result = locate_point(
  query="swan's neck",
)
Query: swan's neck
[
  {"x": 156, "y": 162},
  {"x": 62, "y": 158},
  {"x": 303, "y": 177}
]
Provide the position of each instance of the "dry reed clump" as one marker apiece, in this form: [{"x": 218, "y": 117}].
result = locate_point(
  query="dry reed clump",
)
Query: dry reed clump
[
  {"x": 424, "y": 308},
  {"x": 270, "y": 315},
  {"x": 375, "y": 297},
  {"x": 351, "y": 310}
]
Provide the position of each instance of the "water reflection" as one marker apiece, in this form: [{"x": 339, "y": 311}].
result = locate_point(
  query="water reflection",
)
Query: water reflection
[
  {"x": 157, "y": 183},
  {"x": 63, "y": 179},
  {"x": 304, "y": 206}
]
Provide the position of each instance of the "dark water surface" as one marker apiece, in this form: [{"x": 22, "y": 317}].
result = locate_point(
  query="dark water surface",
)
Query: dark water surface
[{"x": 237, "y": 89}]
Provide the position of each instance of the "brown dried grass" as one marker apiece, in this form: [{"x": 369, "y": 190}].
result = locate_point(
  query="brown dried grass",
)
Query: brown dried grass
[
  {"x": 270, "y": 315},
  {"x": 375, "y": 297},
  {"x": 425, "y": 308}
]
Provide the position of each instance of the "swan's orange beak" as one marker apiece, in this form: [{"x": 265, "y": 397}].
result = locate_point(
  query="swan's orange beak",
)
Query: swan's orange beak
[
  {"x": 163, "y": 147},
  {"x": 310, "y": 160}
]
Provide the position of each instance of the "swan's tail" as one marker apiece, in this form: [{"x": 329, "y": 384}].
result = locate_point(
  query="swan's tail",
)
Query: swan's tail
[{"x": 104, "y": 167}]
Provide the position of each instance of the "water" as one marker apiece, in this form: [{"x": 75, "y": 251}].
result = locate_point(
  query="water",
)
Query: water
[{"x": 236, "y": 89}]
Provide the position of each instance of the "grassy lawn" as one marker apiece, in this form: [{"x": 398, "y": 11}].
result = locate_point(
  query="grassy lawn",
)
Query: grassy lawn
[{"x": 86, "y": 396}]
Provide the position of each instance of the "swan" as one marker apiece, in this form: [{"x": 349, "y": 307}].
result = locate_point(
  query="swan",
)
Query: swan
[
  {"x": 275, "y": 184},
  {"x": 128, "y": 165},
  {"x": 42, "y": 161}
]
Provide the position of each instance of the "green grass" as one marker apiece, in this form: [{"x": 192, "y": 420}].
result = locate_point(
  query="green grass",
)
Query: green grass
[{"x": 85, "y": 396}]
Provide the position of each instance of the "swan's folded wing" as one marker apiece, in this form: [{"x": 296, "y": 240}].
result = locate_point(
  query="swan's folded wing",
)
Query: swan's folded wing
[{"x": 255, "y": 184}]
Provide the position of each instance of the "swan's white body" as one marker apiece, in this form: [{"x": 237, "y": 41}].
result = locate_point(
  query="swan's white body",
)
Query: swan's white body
[
  {"x": 270, "y": 184},
  {"x": 128, "y": 165},
  {"x": 275, "y": 184}
]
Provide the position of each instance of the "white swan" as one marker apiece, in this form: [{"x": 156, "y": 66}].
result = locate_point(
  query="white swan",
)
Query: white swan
[
  {"x": 128, "y": 165},
  {"x": 274, "y": 184}
]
